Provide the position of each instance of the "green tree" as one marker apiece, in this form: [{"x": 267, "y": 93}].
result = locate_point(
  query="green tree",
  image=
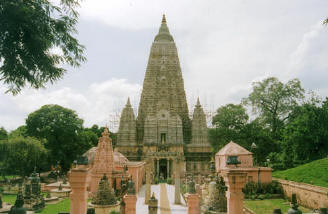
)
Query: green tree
[
  {"x": 29, "y": 32},
  {"x": 228, "y": 122},
  {"x": 273, "y": 100},
  {"x": 98, "y": 131},
  {"x": 20, "y": 131},
  {"x": 3, "y": 134},
  {"x": 305, "y": 137},
  {"x": 325, "y": 22},
  {"x": 61, "y": 128},
  {"x": 20, "y": 155}
]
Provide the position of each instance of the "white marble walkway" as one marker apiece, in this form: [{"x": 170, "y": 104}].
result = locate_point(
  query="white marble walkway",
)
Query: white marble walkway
[{"x": 142, "y": 208}]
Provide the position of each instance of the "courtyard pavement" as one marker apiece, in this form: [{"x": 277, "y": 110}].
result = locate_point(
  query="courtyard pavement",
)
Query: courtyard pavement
[{"x": 165, "y": 196}]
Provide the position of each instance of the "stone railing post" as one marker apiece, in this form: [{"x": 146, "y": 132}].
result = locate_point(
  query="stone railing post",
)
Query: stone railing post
[
  {"x": 79, "y": 195},
  {"x": 177, "y": 197},
  {"x": 235, "y": 181},
  {"x": 148, "y": 183},
  {"x": 193, "y": 201},
  {"x": 130, "y": 204}
]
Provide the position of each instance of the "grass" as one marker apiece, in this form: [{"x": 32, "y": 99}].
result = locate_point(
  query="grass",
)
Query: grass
[
  {"x": 9, "y": 198},
  {"x": 9, "y": 177},
  {"x": 267, "y": 206},
  {"x": 314, "y": 173},
  {"x": 62, "y": 206}
]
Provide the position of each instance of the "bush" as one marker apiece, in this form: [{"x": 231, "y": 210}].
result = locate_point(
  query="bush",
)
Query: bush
[
  {"x": 261, "y": 190},
  {"x": 169, "y": 180}
]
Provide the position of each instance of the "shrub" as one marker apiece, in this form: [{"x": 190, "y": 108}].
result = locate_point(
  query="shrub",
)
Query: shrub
[
  {"x": 256, "y": 189},
  {"x": 169, "y": 180}
]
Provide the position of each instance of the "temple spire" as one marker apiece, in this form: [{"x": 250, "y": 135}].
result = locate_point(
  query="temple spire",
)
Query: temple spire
[
  {"x": 164, "y": 33},
  {"x": 198, "y": 102},
  {"x": 128, "y": 103},
  {"x": 163, "y": 19}
]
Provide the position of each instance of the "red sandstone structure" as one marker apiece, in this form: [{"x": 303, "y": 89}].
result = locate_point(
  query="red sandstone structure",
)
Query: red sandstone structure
[
  {"x": 235, "y": 180},
  {"x": 254, "y": 173},
  {"x": 103, "y": 160},
  {"x": 79, "y": 195},
  {"x": 193, "y": 202}
]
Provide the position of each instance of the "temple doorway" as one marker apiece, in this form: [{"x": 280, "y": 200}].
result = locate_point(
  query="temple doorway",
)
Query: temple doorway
[{"x": 162, "y": 169}]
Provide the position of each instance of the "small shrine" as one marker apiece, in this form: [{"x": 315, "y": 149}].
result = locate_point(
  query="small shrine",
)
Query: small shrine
[
  {"x": 33, "y": 199},
  {"x": 233, "y": 155},
  {"x": 217, "y": 201},
  {"x": 105, "y": 200},
  {"x": 18, "y": 206}
]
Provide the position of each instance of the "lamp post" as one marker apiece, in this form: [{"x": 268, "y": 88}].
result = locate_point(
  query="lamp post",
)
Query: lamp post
[{"x": 253, "y": 148}]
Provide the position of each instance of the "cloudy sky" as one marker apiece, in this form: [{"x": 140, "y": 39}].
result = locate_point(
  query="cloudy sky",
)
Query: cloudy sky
[{"x": 223, "y": 47}]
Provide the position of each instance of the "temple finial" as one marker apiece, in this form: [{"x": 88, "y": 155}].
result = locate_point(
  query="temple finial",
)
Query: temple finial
[
  {"x": 106, "y": 132},
  {"x": 128, "y": 103},
  {"x": 163, "y": 19},
  {"x": 198, "y": 102}
]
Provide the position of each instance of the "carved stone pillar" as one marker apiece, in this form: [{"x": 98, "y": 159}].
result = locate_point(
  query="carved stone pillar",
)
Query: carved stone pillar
[
  {"x": 177, "y": 197},
  {"x": 157, "y": 160},
  {"x": 79, "y": 195},
  {"x": 235, "y": 180},
  {"x": 148, "y": 183},
  {"x": 193, "y": 201},
  {"x": 168, "y": 168},
  {"x": 130, "y": 204}
]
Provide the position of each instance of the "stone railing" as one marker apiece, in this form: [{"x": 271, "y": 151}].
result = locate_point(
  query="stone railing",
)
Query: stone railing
[{"x": 309, "y": 196}]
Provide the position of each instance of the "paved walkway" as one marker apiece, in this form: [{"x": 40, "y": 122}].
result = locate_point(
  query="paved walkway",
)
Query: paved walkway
[
  {"x": 165, "y": 196},
  {"x": 164, "y": 202}
]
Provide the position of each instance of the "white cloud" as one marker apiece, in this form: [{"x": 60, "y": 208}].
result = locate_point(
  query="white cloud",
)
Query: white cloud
[
  {"x": 100, "y": 101},
  {"x": 309, "y": 61},
  {"x": 223, "y": 47}
]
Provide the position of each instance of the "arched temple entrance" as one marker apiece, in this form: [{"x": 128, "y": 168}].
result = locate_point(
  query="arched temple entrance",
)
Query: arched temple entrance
[{"x": 163, "y": 167}]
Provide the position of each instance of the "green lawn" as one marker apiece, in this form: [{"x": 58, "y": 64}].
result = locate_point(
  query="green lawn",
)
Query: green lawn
[
  {"x": 267, "y": 206},
  {"x": 314, "y": 173},
  {"x": 9, "y": 198},
  {"x": 62, "y": 206}
]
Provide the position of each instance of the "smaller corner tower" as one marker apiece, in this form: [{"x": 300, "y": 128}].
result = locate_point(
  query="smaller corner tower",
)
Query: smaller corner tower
[{"x": 127, "y": 129}]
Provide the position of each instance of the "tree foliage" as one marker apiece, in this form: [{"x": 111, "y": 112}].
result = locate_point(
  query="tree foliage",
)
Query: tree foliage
[
  {"x": 20, "y": 155},
  {"x": 3, "y": 134},
  {"x": 273, "y": 100},
  {"x": 61, "y": 127},
  {"x": 30, "y": 30},
  {"x": 20, "y": 131},
  {"x": 232, "y": 124},
  {"x": 228, "y": 122},
  {"x": 305, "y": 137}
]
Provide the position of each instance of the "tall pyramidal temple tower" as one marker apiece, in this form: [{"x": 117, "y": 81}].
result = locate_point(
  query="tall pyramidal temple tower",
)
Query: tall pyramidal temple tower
[{"x": 163, "y": 134}]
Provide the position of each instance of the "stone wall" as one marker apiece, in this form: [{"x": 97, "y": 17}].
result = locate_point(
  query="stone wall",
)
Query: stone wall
[{"x": 307, "y": 195}]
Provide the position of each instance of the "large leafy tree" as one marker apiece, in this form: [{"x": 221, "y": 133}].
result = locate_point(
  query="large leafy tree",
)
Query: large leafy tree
[
  {"x": 305, "y": 137},
  {"x": 19, "y": 155},
  {"x": 61, "y": 127},
  {"x": 232, "y": 123},
  {"x": 273, "y": 100},
  {"x": 29, "y": 32},
  {"x": 228, "y": 122}
]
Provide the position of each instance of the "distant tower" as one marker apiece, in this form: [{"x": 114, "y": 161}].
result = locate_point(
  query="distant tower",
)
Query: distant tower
[
  {"x": 163, "y": 95},
  {"x": 199, "y": 126},
  {"x": 127, "y": 128}
]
